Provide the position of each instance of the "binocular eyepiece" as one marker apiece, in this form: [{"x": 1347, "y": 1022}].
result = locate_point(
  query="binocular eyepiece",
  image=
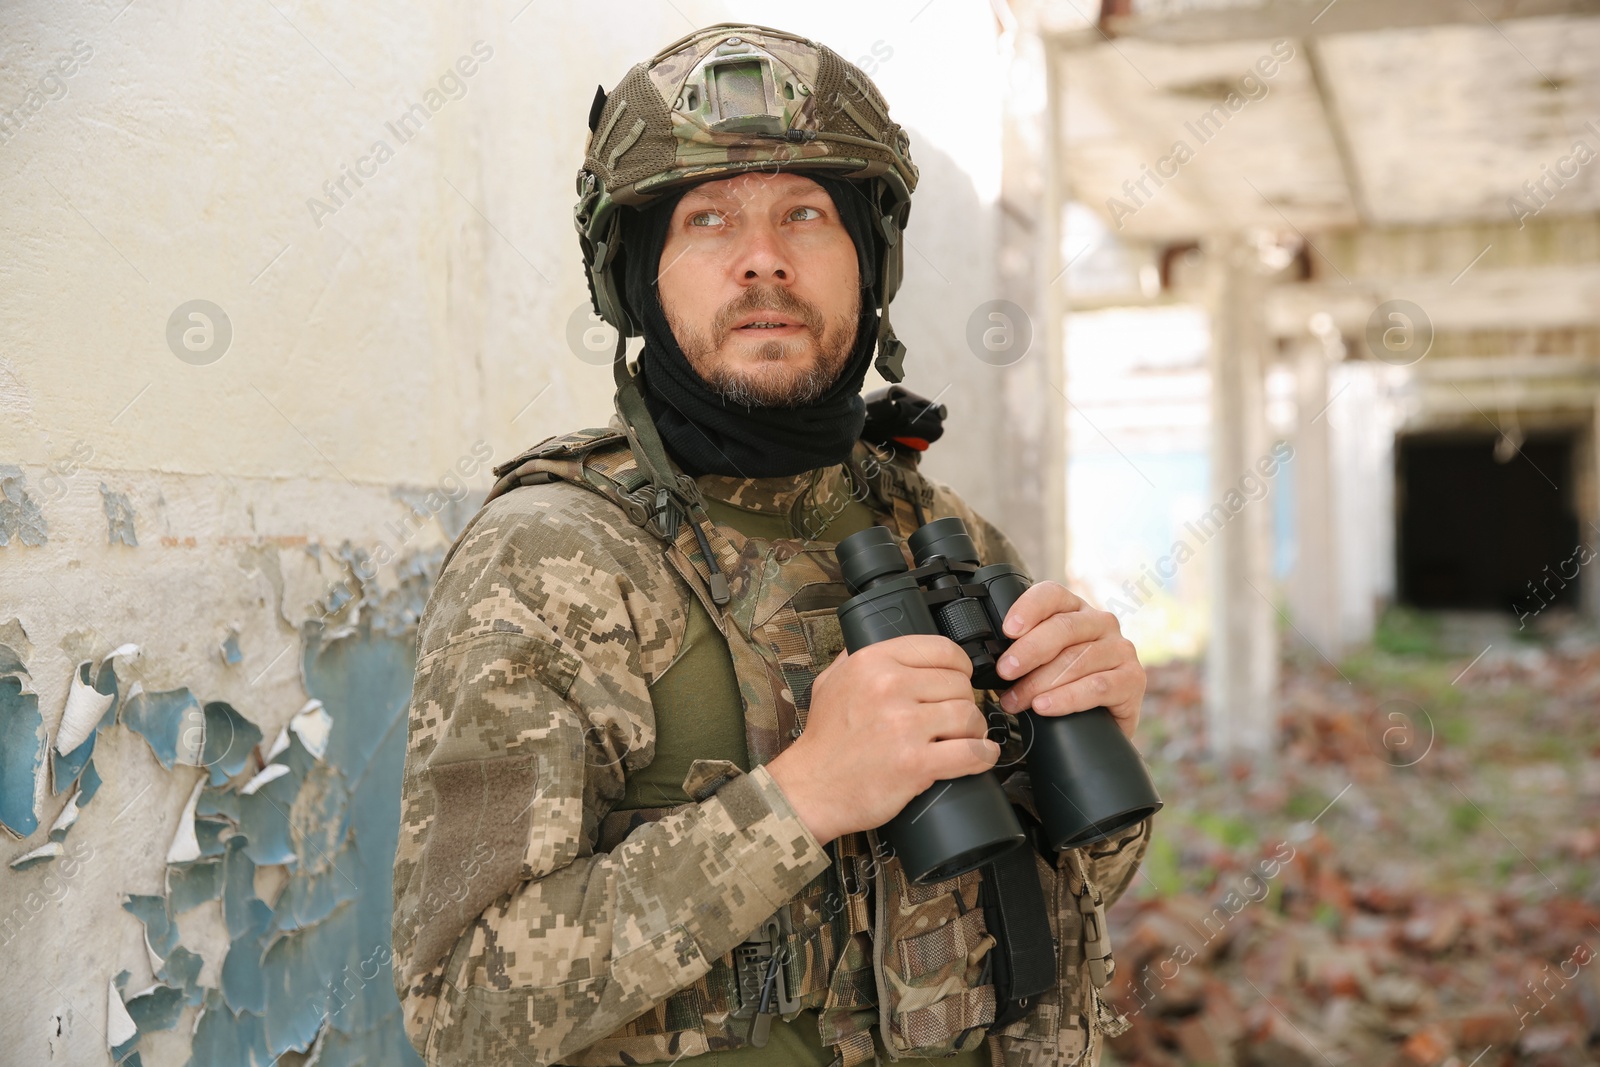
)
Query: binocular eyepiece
[{"x": 1088, "y": 781}]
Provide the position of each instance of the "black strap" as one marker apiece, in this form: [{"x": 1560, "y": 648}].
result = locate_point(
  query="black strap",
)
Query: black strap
[{"x": 1025, "y": 953}]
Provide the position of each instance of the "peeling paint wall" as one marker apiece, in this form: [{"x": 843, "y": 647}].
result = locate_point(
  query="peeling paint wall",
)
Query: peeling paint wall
[
  {"x": 255, "y": 865},
  {"x": 246, "y": 401}
]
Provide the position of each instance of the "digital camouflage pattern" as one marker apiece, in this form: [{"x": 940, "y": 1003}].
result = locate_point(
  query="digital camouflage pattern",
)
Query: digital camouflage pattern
[
  {"x": 550, "y": 616},
  {"x": 600, "y": 937}
]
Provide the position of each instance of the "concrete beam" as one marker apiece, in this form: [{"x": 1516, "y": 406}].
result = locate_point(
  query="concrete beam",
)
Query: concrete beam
[
  {"x": 1483, "y": 404},
  {"x": 1571, "y": 369},
  {"x": 1317, "y": 18},
  {"x": 1525, "y": 297},
  {"x": 1337, "y": 130}
]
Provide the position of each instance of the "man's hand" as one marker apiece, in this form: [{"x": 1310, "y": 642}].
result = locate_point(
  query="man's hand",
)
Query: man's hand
[
  {"x": 1067, "y": 656},
  {"x": 885, "y": 724}
]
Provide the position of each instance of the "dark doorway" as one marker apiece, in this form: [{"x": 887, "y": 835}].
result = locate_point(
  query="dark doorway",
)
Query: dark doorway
[{"x": 1477, "y": 533}]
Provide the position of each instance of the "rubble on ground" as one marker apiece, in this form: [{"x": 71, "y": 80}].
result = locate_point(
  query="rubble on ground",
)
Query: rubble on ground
[{"x": 1411, "y": 881}]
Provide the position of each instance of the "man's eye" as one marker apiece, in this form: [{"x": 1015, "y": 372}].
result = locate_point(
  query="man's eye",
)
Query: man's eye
[
  {"x": 815, "y": 212},
  {"x": 694, "y": 220}
]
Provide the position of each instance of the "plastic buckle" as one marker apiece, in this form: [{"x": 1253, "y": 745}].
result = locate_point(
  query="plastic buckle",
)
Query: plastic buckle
[
  {"x": 1096, "y": 940},
  {"x": 753, "y": 961},
  {"x": 759, "y": 969},
  {"x": 891, "y": 358},
  {"x": 668, "y": 513}
]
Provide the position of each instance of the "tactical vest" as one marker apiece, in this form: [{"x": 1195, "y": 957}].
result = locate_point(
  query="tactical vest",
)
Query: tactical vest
[{"x": 860, "y": 943}]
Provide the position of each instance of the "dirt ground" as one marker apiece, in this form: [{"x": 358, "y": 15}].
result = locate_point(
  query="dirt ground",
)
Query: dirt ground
[{"x": 1411, "y": 880}]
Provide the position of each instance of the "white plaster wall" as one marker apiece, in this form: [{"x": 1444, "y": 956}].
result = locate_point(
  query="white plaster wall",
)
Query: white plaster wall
[{"x": 372, "y": 348}]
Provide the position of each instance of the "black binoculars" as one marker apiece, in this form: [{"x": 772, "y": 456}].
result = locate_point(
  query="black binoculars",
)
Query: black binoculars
[{"x": 1088, "y": 781}]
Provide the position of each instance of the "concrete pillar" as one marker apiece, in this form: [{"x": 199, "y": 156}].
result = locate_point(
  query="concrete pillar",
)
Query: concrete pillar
[
  {"x": 1028, "y": 267},
  {"x": 1242, "y": 657},
  {"x": 1314, "y": 583},
  {"x": 1361, "y": 432}
]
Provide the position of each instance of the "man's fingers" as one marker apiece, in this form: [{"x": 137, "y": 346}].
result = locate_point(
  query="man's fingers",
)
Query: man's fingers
[
  {"x": 959, "y": 757},
  {"x": 1120, "y": 690},
  {"x": 1038, "y": 602},
  {"x": 1074, "y": 662},
  {"x": 932, "y": 685},
  {"x": 1040, "y": 644},
  {"x": 926, "y": 650},
  {"x": 952, "y": 719}
]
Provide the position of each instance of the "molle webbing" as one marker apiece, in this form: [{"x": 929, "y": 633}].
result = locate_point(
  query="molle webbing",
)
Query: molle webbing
[{"x": 828, "y": 917}]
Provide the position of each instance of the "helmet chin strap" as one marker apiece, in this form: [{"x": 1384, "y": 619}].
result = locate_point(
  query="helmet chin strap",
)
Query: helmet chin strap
[
  {"x": 676, "y": 496},
  {"x": 890, "y": 361}
]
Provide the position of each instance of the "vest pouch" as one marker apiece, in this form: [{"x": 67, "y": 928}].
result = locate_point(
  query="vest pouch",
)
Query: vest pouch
[
  {"x": 714, "y": 1013},
  {"x": 933, "y": 959},
  {"x": 1062, "y": 1029},
  {"x": 1015, "y": 911}
]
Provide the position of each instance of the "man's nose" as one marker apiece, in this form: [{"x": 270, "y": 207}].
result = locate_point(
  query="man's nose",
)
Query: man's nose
[{"x": 762, "y": 257}]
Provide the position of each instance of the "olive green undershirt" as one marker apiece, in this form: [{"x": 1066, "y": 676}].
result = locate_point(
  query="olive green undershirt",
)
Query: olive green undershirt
[
  {"x": 702, "y": 677},
  {"x": 699, "y": 716}
]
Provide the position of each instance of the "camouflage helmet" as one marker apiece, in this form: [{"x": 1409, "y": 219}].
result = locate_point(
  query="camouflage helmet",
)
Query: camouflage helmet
[{"x": 731, "y": 98}]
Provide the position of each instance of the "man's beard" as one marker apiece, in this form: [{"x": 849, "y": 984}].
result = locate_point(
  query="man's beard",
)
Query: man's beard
[{"x": 785, "y": 386}]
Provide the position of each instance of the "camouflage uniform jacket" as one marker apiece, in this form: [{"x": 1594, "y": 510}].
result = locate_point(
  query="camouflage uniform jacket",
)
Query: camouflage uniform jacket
[{"x": 534, "y": 924}]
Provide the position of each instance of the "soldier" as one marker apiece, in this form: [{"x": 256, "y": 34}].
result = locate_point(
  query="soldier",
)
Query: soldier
[{"x": 643, "y": 777}]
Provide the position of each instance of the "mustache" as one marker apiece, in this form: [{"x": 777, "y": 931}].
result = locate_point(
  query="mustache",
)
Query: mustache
[{"x": 767, "y": 299}]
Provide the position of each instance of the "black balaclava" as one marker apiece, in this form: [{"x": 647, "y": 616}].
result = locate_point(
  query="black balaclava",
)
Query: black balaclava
[{"x": 709, "y": 435}]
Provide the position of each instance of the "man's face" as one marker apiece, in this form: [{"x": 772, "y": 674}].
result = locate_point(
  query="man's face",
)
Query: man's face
[{"x": 761, "y": 248}]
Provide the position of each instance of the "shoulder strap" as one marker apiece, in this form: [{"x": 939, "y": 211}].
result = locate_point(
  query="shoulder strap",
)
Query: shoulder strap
[
  {"x": 893, "y": 480},
  {"x": 675, "y": 497},
  {"x": 529, "y": 468},
  {"x": 603, "y": 460}
]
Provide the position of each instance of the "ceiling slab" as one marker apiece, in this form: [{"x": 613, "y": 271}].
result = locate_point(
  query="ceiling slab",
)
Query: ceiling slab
[
  {"x": 1411, "y": 126},
  {"x": 1451, "y": 122},
  {"x": 1166, "y": 141}
]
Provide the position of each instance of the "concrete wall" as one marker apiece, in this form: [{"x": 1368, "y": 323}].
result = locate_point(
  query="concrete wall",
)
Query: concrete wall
[{"x": 262, "y": 516}]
